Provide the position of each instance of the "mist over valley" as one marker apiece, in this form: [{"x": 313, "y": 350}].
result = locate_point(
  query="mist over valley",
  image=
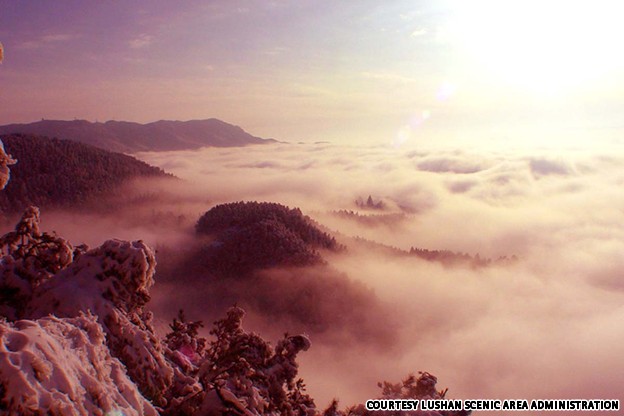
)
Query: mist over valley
[{"x": 546, "y": 271}]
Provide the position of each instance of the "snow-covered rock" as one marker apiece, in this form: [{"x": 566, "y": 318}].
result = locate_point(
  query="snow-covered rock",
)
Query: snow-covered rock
[
  {"x": 113, "y": 281},
  {"x": 118, "y": 274},
  {"x": 5, "y": 159},
  {"x": 62, "y": 366},
  {"x": 42, "y": 274}
]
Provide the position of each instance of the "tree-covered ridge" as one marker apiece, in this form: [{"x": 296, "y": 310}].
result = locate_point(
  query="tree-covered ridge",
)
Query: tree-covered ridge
[
  {"x": 445, "y": 257},
  {"x": 373, "y": 220},
  {"x": 451, "y": 258},
  {"x": 60, "y": 173},
  {"x": 243, "y": 214},
  {"x": 254, "y": 235}
]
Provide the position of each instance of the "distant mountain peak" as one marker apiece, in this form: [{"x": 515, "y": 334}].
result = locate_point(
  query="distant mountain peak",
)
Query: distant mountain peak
[{"x": 132, "y": 137}]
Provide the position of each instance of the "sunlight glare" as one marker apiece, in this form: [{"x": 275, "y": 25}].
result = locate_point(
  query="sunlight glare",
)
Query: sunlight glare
[{"x": 543, "y": 45}]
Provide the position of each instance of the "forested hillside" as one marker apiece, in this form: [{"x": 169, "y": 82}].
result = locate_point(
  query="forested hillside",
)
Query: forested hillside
[
  {"x": 55, "y": 173},
  {"x": 253, "y": 235}
]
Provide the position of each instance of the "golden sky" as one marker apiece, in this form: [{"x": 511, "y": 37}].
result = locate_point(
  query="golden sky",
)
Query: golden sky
[{"x": 394, "y": 72}]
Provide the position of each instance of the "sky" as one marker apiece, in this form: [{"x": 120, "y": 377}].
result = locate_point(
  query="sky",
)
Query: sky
[{"x": 355, "y": 71}]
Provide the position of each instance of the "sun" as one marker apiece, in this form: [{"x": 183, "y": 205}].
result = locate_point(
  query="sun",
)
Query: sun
[{"x": 543, "y": 45}]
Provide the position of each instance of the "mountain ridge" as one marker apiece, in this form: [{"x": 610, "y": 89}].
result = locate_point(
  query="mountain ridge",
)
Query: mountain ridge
[{"x": 132, "y": 137}]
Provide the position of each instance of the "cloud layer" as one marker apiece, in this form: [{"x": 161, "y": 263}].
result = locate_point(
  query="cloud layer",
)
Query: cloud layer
[{"x": 546, "y": 326}]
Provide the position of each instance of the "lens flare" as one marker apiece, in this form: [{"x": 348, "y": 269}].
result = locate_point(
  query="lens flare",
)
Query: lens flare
[
  {"x": 445, "y": 91},
  {"x": 407, "y": 130}
]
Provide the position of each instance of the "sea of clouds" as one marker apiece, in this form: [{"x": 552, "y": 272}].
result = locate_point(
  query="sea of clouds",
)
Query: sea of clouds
[{"x": 548, "y": 325}]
